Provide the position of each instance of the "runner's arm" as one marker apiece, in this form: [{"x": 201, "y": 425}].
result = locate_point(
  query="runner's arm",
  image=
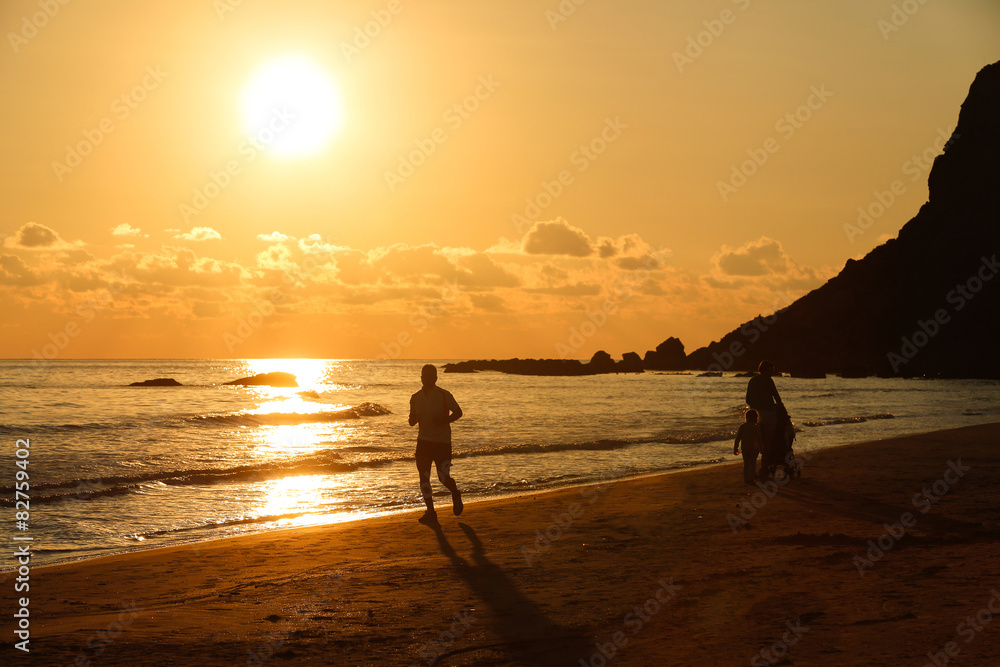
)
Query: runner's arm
[
  {"x": 413, "y": 413},
  {"x": 451, "y": 405}
]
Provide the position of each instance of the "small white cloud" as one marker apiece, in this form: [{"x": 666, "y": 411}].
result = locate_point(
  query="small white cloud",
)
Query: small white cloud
[
  {"x": 273, "y": 237},
  {"x": 126, "y": 229},
  {"x": 199, "y": 234}
]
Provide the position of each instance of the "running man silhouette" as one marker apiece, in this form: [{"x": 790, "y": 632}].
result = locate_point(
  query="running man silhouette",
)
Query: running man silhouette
[{"x": 434, "y": 409}]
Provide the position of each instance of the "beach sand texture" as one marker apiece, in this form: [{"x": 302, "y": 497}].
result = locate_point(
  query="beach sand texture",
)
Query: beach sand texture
[{"x": 649, "y": 571}]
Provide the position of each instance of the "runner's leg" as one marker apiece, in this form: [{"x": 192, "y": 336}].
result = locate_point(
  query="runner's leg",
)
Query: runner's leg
[
  {"x": 424, "y": 470},
  {"x": 444, "y": 474}
]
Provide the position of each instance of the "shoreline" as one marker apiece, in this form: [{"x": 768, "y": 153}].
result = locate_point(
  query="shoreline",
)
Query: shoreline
[
  {"x": 649, "y": 569},
  {"x": 469, "y": 502}
]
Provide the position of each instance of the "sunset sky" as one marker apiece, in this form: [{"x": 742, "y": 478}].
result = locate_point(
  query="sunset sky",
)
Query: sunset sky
[{"x": 468, "y": 179}]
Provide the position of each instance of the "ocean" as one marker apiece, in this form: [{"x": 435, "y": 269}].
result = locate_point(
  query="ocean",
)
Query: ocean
[{"x": 114, "y": 468}]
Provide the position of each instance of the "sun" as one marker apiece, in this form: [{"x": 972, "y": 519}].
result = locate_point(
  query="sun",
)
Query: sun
[{"x": 291, "y": 107}]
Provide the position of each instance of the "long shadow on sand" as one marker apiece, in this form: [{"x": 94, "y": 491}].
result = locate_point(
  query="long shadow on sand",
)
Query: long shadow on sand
[
  {"x": 853, "y": 505},
  {"x": 529, "y": 636}
]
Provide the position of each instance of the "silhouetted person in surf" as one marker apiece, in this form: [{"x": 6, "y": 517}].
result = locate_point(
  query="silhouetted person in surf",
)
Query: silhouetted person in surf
[
  {"x": 763, "y": 397},
  {"x": 434, "y": 409}
]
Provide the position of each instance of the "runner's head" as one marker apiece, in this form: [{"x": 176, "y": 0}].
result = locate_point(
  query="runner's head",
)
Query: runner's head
[
  {"x": 429, "y": 375},
  {"x": 765, "y": 368}
]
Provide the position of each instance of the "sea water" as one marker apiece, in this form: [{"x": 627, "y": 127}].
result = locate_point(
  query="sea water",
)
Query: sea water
[{"x": 114, "y": 468}]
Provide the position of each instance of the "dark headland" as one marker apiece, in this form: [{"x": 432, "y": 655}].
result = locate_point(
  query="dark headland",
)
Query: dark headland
[{"x": 925, "y": 303}]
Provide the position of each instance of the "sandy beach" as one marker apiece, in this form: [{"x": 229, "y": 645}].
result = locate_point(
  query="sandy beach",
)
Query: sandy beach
[{"x": 882, "y": 553}]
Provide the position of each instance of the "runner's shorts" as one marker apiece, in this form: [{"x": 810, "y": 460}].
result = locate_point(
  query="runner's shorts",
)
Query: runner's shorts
[{"x": 433, "y": 451}]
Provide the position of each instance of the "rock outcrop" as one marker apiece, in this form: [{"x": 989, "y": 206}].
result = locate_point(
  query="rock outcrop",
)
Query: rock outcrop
[
  {"x": 158, "y": 382},
  {"x": 668, "y": 356},
  {"x": 275, "y": 379},
  {"x": 601, "y": 363}
]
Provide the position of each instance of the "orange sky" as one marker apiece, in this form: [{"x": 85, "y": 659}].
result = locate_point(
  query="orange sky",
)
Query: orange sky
[{"x": 508, "y": 178}]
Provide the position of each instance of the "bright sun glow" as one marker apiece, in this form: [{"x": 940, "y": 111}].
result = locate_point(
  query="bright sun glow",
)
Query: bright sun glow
[
  {"x": 308, "y": 372},
  {"x": 292, "y": 107}
]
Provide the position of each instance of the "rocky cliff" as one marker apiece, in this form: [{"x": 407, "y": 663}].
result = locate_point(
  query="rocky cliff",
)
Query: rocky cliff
[{"x": 925, "y": 303}]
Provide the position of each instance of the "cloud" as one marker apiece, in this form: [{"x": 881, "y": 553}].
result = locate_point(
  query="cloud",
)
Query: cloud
[
  {"x": 273, "y": 237},
  {"x": 199, "y": 234},
  {"x": 317, "y": 277},
  {"x": 756, "y": 258},
  {"x": 478, "y": 270},
  {"x": 203, "y": 309},
  {"x": 577, "y": 289},
  {"x": 489, "y": 302},
  {"x": 557, "y": 237},
  {"x": 126, "y": 229},
  {"x": 763, "y": 262},
  {"x": 648, "y": 262},
  {"x": 32, "y": 235},
  {"x": 315, "y": 245},
  {"x": 13, "y": 271}
]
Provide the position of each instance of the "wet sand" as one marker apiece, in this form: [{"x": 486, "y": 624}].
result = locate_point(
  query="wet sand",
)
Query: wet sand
[{"x": 882, "y": 553}]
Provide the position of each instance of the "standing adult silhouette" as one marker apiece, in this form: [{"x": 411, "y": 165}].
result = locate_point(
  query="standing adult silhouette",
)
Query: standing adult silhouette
[{"x": 763, "y": 397}]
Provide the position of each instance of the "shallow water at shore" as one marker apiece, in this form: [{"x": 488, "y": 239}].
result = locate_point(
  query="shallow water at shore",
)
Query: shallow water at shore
[{"x": 116, "y": 468}]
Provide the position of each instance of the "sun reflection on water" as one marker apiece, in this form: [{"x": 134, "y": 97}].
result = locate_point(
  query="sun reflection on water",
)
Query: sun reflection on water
[{"x": 291, "y": 495}]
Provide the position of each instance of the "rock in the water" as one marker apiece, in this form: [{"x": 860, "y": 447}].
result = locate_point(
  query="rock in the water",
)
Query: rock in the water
[
  {"x": 668, "y": 356},
  {"x": 275, "y": 379},
  {"x": 630, "y": 363},
  {"x": 158, "y": 382}
]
